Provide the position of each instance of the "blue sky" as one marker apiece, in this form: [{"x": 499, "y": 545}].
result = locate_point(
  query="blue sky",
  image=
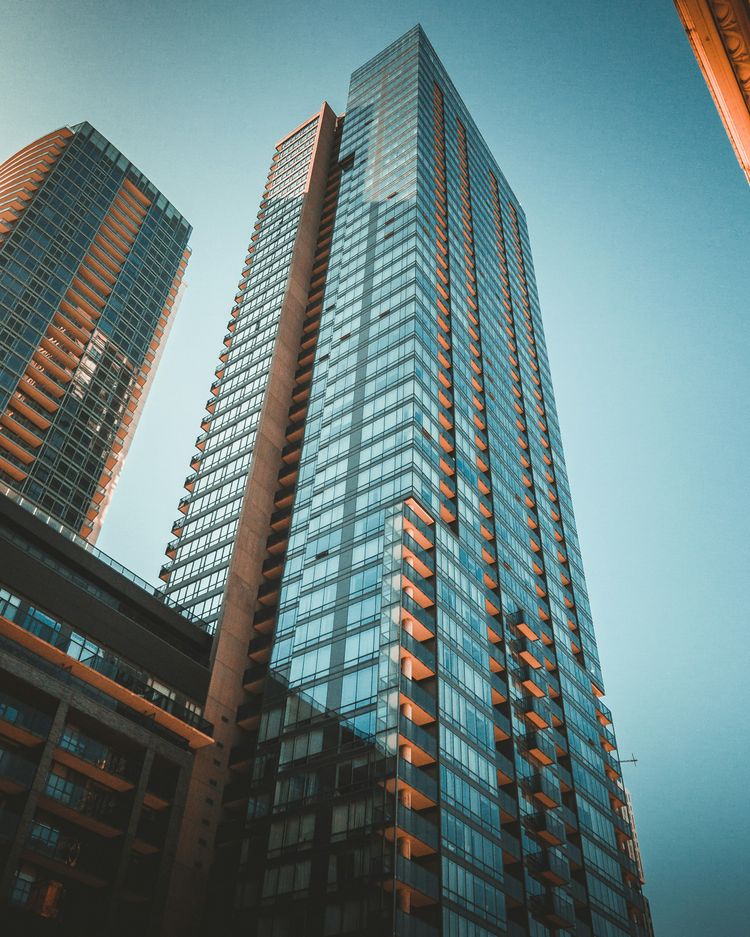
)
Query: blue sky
[{"x": 639, "y": 224}]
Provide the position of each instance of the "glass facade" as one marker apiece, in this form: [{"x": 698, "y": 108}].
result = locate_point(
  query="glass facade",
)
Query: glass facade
[
  {"x": 91, "y": 261},
  {"x": 421, "y": 746},
  {"x": 205, "y": 534}
]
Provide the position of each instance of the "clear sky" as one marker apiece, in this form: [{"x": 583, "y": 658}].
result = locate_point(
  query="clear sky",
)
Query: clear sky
[{"x": 640, "y": 226}]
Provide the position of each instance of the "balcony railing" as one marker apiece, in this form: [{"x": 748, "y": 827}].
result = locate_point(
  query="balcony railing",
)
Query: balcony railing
[
  {"x": 550, "y": 866},
  {"x": 419, "y": 736},
  {"x": 86, "y": 799},
  {"x": 418, "y": 650},
  {"x": 418, "y": 779},
  {"x": 418, "y": 826},
  {"x": 544, "y": 789},
  {"x": 424, "y": 529},
  {"x": 24, "y": 716},
  {"x": 96, "y": 753},
  {"x": 409, "y": 925},
  {"x": 8, "y": 824},
  {"x": 547, "y": 826},
  {"x": 417, "y": 877},
  {"x": 113, "y": 564},
  {"x": 555, "y": 907},
  {"x": 423, "y": 585},
  {"x": 419, "y": 696},
  {"x": 16, "y": 769},
  {"x": 72, "y": 851},
  {"x": 114, "y": 668},
  {"x": 415, "y": 610}
]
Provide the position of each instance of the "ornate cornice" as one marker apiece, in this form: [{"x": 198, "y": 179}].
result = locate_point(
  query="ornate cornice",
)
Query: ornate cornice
[
  {"x": 719, "y": 32},
  {"x": 733, "y": 22}
]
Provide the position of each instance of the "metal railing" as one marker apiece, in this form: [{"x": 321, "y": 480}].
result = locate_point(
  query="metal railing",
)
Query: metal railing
[{"x": 69, "y": 534}]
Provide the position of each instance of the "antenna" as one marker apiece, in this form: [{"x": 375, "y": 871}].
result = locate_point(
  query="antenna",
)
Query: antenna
[{"x": 629, "y": 761}]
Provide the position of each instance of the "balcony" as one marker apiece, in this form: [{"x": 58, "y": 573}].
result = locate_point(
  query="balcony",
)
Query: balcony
[
  {"x": 498, "y": 688},
  {"x": 635, "y": 899},
  {"x": 544, "y": 789},
  {"x": 501, "y": 725},
  {"x": 416, "y": 620},
  {"x": 259, "y": 648},
  {"x": 546, "y": 826},
  {"x": 277, "y": 543},
  {"x": 76, "y": 798},
  {"x": 421, "y": 589},
  {"x": 16, "y": 772},
  {"x": 497, "y": 658},
  {"x": 531, "y": 680},
  {"x": 254, "y": 677},
  {"x": 423, "y": 661},
  {"x": 540, "y": 747},
  {"x": 519, "y": 621},
  {"x": 268, "y": 593},
  {"x": 415, "y": 781},
  {"x": 95, "y": 760},
  {"x": 556, "y": 713},
  {"x": 424, "y": 706},
  {"x": 574, "y": 855},
  {"x": 264, "y": 618},
  {"x": 487, "y": 529},
  {"x": 529, "y": 652},
  {"x": 549, "y": 867},
  {"x": 418, "y": 530},
  {"x": 485, "y": 505},
  {"x": 611, "y": 765},
  {"x": 422, "y": 832},
  {"x": 417, "y": 557},
  {"x": 290, "y": 453},
  {"x": 447, "y": 441},
  {"x": 422, "y": 883},
  {"x": 622, "y": 827},
  {"x": 284, "y": 498},
  {"x": 505, "y": 770},
  {"x": 409, "y": 925},
  {"x": 514, "y": 892},
  {"x": 21, "y": 722},
  {"x": 604, "y": 714},
  {"x": 248, "y": 713},
  {"x": 8, "y": 825},
  {"x": 280, "y": 519},
  {"x": 69, "y": 856},
  {"x": 569, "y": 819},
  {"x": 447, "y": 509},
  {"x": 241, "y": 756},
  {"x": 508, "y": 807},
  {"x": 616, "y": 793},
  {"x": 535, "y": 710},
  {"x": 422, "y": 745},
  {"x": 554, "y": 908},
  {"x": 236, "y": 792}
]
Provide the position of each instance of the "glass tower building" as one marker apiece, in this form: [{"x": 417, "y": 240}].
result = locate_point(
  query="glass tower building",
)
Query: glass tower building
[
  {"x": 405, "y": 678},
  {"x": 91, "y": 263}
]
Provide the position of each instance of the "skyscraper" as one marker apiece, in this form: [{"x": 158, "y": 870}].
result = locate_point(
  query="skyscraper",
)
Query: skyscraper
[
  {"x": 405, "y": 677},
  {"x": 91, "y": 262}
]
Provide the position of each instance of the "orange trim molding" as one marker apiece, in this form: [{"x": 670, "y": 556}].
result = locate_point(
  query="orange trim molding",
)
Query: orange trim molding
[{"x": 719, "y": 32}]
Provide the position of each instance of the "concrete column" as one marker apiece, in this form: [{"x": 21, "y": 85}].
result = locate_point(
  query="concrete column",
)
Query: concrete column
[
  {"x": 127, "y": 843},
  {"x": 37, "y": 786}
]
